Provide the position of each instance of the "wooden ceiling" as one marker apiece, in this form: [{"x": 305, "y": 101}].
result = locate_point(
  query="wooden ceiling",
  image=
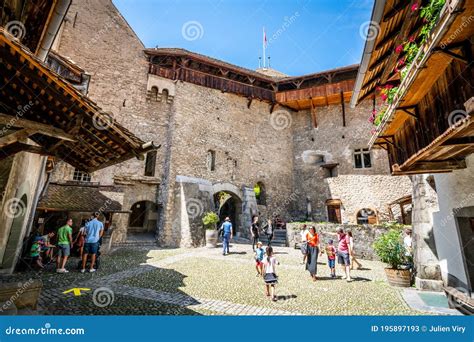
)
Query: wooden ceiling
[
  {"x": 26, "y": 19},
  {"x": 61, "y": 122}
]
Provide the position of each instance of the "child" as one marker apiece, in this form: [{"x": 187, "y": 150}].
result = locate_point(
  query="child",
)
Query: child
[
  {"x": 270, "y": 277},
  {"x": 331, "y": 253},
  {"x": 259, "y": 254},
  {"x": 35, "y": 252}
]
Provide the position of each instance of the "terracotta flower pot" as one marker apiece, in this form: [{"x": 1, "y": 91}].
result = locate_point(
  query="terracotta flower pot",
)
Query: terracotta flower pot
[{"x": 400, "y": 278}]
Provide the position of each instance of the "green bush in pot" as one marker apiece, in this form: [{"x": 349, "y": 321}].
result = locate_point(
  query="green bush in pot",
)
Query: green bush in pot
[
  {"x": 390, "y": 249},
  {"x": 209, "y": 220}
]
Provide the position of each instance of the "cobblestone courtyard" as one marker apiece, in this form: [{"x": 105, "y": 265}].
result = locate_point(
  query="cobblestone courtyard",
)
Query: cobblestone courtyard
[{"x": 203, "y": 282}]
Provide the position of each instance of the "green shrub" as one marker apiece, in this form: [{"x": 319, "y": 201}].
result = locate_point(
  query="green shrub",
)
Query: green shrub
[
  {"x": 390, "y": 248},
  {"x": 209, "y": 220}
]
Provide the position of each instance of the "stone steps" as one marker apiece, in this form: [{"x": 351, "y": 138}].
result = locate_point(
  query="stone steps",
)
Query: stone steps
[
  {"x": 279, "y": 238},
  {"x": 136, "y": 244}
]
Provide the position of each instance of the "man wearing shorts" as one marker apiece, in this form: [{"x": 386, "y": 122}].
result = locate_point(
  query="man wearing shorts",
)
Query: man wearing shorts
[
  {"x": 64, "y": 246},
  {"x": 343, "y": 253},
  {"x": 94, "y": 230}
]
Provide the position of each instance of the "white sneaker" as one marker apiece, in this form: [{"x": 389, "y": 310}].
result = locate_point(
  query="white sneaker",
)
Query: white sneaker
[
  {"x": 65, "y": 271},
  {"x": 59, "y": 270},
  {"x": 83, "y": 271},
  {"x": 344, "y": 277},
  {"x": 92, "y": 270}
]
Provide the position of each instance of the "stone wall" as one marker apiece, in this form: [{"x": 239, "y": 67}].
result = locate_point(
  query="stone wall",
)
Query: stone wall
[
  {"x": 248, "y": 149},
  {"x": 364, "y": 236},
  {"x": 332, "y": 143}
]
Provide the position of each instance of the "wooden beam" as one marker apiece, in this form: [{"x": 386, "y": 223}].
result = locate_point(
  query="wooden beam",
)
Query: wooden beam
[
  {"x": 391, "y": 35},
  {"x": 36, "y": 126},
  {"x": 15, "y": 137},
  {"x": 394, "y": 11},
  {"x": 380, "y": 60},
  {"x": 407, "y": 111},
  {"x": 434, "y": 165},
  {"x": 464, "y": 141}
]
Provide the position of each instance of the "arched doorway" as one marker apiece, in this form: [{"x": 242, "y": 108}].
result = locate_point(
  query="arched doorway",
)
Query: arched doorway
[
  {"x": 260, "y": 193},
  {"x": 229, "y": 205},
  {"x": 143, "y": 217},
  {"x": 366, "y": 216},
  {"x": 18, "y": 209}
]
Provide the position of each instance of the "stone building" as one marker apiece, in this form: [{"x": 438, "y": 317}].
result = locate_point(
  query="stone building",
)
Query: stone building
[{"x": 224, "y": 131}]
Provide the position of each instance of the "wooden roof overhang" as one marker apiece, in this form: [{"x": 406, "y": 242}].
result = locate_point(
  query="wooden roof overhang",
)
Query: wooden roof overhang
[
  {"x": 321, "y": 89},
  {"x": 36, "y": 103},
  {"x": 28, "y": 19},
  {"x": 446, "y": 151},
  {"x": 183, "y": 65}
]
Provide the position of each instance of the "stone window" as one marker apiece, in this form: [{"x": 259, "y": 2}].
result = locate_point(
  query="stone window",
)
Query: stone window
[
  {"x": 362, "y": 158},
  {"x": 211, "y": 160},
  {"x": 164, "y": 95},
  {"x": 260, "y": 193},
  {"x": 81, "y": 176},
  {"x": 366, "y": 216},
  {"x": 150, "y": 163},
  {"x": 154, "y": 93}
]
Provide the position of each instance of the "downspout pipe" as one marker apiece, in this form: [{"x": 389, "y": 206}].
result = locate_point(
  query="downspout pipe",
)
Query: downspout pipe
[
  {"x": 377, "y": 15},
  {"x": 52, "y": 29}
]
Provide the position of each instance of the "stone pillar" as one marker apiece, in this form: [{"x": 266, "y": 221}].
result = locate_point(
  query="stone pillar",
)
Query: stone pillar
[{"x": 425, "y": 202}]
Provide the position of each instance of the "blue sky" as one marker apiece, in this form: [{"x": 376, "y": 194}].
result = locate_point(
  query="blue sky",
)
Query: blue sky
[{"x": 304, "y": 36}]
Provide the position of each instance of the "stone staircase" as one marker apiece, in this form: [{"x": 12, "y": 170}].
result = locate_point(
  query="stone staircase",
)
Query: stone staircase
[
  {"x": 279, "y": 238},
  {"x": 138, "y": 240}
]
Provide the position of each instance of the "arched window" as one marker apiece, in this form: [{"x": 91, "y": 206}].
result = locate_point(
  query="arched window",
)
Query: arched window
[
  {"x": 154, "y": 93},
  {"x": 260, "y": 193},
  {"x": 366, "y": 216},
  {"x": 164, "y": 95}
]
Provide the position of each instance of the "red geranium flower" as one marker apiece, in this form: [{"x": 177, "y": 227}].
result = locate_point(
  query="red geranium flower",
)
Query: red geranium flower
[
  {"x": 401, "y": 61},
  {"x": 411, "y": 39},
  {"x": 399, "y": 48},
  {"x": 384, "y": 97},
  {"x": 414, "y": 7}
]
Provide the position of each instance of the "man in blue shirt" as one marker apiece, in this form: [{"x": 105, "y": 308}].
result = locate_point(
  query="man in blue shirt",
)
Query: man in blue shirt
[
  {"x": 227, "y": 235},
  {"x": 94, "y": 230}
]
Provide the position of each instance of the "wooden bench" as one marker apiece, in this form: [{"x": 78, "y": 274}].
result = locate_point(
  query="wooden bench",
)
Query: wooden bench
[{"x": 23, "y": 294}]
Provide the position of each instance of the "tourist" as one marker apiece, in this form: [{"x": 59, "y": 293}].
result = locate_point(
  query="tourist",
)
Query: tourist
[
  {"x": 254, "y": 231},
  {"x": 331, "y": 253},
  {"x": 304, "y": 243},
  {"x": 35, "y": 252},
  {"x": 408, "y": 242},
  {"x": 94, "y": 230},
  {"x": 269, "y": 231},
  {"x": 353, "y": 258},
  {"x": 64, "y": 246},
  {"x": 343, "y": 253},
  {"x": 80, "y": 238},
  {"x": 270, "y": 277},
  {"x": 227, "y": 235},
  {"x": 313, "y": 251},
  {"x": 47, "y": 247},
  {"x": 259, "y": 255}
]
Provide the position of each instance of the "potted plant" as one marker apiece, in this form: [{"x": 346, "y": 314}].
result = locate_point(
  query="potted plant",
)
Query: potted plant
[
  {"x": 209, "y": 220},
  {"x": 391, "y": 250}
]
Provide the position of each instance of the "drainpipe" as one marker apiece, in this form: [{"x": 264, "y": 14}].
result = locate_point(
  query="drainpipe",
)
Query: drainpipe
[{"x": 58, "y": 15}]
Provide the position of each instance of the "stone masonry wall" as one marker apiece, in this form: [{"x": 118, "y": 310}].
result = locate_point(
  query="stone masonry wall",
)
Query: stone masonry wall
[
  {"x": 370, "y": 188},
  {"x": 98, "y": 39},
  {"x": 248, "y": 148}
]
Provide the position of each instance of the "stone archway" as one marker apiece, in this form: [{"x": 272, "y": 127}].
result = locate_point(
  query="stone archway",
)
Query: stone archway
[
  {"x": 228, "y": 202},
  {"x": 143, "y": 217}
]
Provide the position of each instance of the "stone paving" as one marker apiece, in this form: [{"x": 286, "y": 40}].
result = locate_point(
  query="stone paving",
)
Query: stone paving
[{"x": 203, "y": 282}]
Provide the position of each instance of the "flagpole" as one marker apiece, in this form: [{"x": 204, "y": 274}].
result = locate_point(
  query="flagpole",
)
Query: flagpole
[{"x": 263, "y": 44}]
